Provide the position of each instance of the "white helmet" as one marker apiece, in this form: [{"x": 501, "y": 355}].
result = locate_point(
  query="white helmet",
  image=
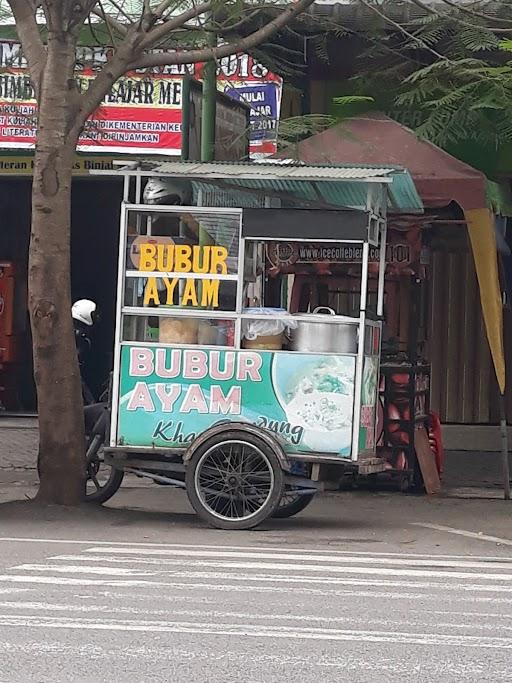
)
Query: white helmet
[
  {"x": 167, "y": 191},
  {"x": 83, "y": 311}
]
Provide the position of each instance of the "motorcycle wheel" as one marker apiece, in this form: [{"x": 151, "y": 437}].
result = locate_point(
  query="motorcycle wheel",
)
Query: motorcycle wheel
[{"x": 103, "y": 481}]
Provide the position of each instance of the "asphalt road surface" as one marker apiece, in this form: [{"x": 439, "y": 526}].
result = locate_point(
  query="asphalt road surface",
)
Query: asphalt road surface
[{"x": 217, "y": 611}]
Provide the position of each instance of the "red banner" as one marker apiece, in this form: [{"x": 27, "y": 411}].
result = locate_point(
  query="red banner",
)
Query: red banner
[{"x": 142, "y": 114}]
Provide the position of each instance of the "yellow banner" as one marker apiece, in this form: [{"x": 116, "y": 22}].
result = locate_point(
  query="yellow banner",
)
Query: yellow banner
[
  {"x": 14, "y": 165},
  {"x": 483, "y": 243}
]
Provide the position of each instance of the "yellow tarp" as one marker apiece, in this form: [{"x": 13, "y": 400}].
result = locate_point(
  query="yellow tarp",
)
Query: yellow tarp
[{"x": 483, "y": 243}]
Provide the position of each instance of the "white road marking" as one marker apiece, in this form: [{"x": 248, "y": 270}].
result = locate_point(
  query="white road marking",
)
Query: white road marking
[
  {"x": 346, "y": 570},
  {"x": 220, "y": 577},
  {"x": 461, "y": 532},
  {"x": 258, "y": 616},
  {"x": 247, "y": 548},
  {"x": 259, "y": 631},
  {"x": 312, "y": 557},
  {"x": 75, "y": 569}
]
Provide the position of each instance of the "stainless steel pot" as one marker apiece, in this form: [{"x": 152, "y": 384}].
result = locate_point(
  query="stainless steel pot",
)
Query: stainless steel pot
[{"x": 321, "y": 334}]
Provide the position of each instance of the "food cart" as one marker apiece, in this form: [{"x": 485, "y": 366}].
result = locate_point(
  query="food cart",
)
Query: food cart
[{"x": 217, "y": 388}]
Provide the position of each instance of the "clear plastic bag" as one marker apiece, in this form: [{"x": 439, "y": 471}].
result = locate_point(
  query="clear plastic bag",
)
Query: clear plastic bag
[{"x": 279, "y": 321}]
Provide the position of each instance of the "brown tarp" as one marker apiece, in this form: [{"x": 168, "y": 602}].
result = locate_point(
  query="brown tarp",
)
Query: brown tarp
[{"x": 376, "y": 139}]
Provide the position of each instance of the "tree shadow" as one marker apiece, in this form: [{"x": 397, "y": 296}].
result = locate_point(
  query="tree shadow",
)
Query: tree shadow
[{"x": 36, "y": 515}]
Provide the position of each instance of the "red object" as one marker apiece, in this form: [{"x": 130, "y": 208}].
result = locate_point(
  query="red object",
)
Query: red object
[
  {"x": 143, "y": 112},
  {"x": 393, "y": 414},
  {"x": 7, "y": 339},
  {"x": 401, "y": 380},
  {"x": 400, "y": 438},
  {"x": 436, "y": 440},
  {"x": 405, "y": 413}
]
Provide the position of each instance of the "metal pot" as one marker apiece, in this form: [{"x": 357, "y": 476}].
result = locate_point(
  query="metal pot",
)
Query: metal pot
[{"x": 320, "y": 334}]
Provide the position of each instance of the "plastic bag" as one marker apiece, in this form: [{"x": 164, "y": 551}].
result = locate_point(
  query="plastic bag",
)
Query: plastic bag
[{"x": 279, "y": 321}]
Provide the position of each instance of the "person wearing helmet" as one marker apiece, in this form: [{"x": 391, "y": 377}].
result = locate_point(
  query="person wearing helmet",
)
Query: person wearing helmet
[{"x": 84, "y": 314}]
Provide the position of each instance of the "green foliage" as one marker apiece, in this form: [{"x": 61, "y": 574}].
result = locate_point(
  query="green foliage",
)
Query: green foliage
[
  {"x": 447, "y": 74},
  {"x": 297, "y": 128}
]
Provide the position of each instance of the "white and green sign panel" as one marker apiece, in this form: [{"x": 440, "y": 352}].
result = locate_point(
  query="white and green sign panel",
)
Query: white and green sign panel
[{"x": 170, "y": 396}]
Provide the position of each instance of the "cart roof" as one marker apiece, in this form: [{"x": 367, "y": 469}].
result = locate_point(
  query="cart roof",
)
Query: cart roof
[{"x": 337, "y": 185}]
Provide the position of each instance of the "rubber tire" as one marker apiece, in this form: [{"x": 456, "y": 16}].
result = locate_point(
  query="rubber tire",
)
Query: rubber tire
[
  {"x": 264, "y": 513},
  {"x": 111, "y": 487},
  {"x": 293, "y": 508}
]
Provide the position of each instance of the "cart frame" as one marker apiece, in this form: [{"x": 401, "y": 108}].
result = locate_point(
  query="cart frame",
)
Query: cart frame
[{"x": 169, "y": 465}]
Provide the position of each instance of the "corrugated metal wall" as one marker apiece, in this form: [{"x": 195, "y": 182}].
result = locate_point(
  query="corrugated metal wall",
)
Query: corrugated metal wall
[{"x": 464, "y": 389}]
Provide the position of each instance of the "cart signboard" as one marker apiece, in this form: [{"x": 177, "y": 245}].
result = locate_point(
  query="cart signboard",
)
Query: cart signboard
[{"x": 169, "y": 396}]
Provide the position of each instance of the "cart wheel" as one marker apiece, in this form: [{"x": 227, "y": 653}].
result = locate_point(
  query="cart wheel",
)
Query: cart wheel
[
  {"x": 234, "y": 481},
  {"x": 292, "y": 503},
  {"x": 103, "y": 481}
]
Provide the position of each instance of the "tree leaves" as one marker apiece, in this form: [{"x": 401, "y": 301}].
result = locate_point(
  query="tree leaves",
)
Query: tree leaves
[{"x": 466, "y": 95}]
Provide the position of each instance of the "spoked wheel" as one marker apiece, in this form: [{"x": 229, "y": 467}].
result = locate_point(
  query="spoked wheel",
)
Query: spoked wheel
[
  {"x": 294, "y": 498},
  {"x": 234, "y": 481},
  {"x": 292, "y": 503},
  {"x": 103, "y": 481}
]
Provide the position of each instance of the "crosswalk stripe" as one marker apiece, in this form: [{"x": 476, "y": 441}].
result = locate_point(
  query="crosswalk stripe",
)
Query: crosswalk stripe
[
  {"x": 312, "y": 557},
  {"x": 314, "y": 568},
  {"x": 218, "y": 578},
  {"x": 247, "y": 548},
  {"x": 259, "y": 631},
  {"x": 255, "y": 616},
  {"x": 83, "y": 569}
]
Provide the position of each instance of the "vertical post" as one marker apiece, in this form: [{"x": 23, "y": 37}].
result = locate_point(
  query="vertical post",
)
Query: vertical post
[
  {"x": 358, "y": 384},
  {"x": 121, "y": 267},
  {"x": 209, "y": 105},
  {"x": 504, "y": 448},
  {"x": 208, "y": 119},
  {"x": 185, "y": 119},
  {"x": 382, "y": 270}
]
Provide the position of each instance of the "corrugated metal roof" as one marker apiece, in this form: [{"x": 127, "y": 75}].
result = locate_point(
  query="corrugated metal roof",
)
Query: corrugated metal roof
[
  {"x": 331, "y": 185},
  {"x": 271, "y": 171},
  {"x": 337, "y": 184}
]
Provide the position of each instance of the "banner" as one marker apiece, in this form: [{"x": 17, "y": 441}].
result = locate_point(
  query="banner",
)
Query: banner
[
  {"x": 244, "y": 79},
  {"x": 403, "y": 250},
  {"x": 23, "y": 164},
  {"x": 143, "y": 112},
  {"x": 169, "y": 396}
]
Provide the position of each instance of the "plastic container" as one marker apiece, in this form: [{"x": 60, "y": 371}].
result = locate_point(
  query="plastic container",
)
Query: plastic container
[{"x": 266, "y": 332}]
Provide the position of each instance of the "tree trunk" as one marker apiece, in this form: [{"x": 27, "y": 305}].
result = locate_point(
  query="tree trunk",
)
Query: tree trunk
[{"x": 57, "y": 376}]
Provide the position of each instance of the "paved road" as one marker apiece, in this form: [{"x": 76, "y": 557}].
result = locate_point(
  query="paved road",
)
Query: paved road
[{"x": 81, "y": 611}]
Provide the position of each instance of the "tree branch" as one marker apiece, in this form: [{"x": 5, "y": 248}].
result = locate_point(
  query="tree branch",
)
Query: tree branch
[
  {"x": 420, "y": 42},
  {"x": 474, "y": 13},
  {"x": 110, "y": 72},
  {"x": 30, "y": 38},
  {"x": 110, "y": 21},
  {"x": 162, "y": 30},
  {"x": 209, "y": 53},
  {"x": 453, "y": 17}
]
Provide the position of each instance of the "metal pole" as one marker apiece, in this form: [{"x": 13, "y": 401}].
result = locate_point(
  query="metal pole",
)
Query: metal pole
[
  {"x": 185, "y": 119},
  {"x": 209, "y": 105},
  {"x": 504, "y": 448},
  {"x": 382, "y": 270}
]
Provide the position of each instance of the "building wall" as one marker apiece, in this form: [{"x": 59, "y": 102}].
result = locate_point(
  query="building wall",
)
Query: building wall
[{"x": 464, "y": 389}]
